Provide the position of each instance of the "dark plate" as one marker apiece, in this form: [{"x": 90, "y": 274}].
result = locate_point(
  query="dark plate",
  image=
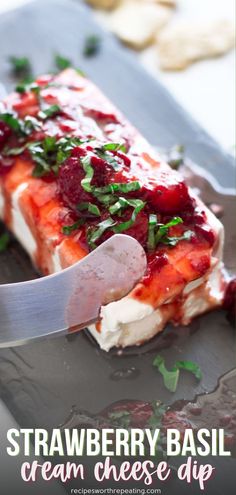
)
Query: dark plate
[{"x": 41, "y": 382}]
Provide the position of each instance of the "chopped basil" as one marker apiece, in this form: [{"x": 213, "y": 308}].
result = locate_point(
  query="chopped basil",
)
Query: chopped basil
[
  {"x": 89, "y": 172},
  {"x": 172, "y": 241},
  {"x": 4, "y": 241},
  {"x": 190, "y": 366},
  {"x": 49, "y": 154},
  {"x": 20, "y": 127},
  {"x": 175, "y": 157},
  {"x": 103, "y": 153},
  {"x": 155, "y": 420},
  {"x": 107, "y": 157},
  {"x": 152, "y": 222},
  {"x": 120, "y": 418},
  {"x": 49, "y": 144},
  {"x": 49, "y": 112},
  {"x": 118, "y": 187},
  {"x": 67, "y": 229},
  {"x": 65, "y": 145},
  {"x": 20, "y": 66},
  {"x": 80, "y": 72},
  {"x": 90, "y": 207},
  {"x": 30, "y": 124},
  {"x": 138, "y": 205},
  {"x": 163, "y": 229},
  {"x": 106, "y": 199},
  {"x": 114, "y": 147},
  {"x": 91, "y": 45},
  {"x": 62, "y": 62},
  {"x": 26, "y": 86},
  {"x": 94, "y": 235},
  {"x": 121, "y": 204},
  {"x": 11, "y": 119},
  {"x": 159, "y": 232},
  {"x": 171, "y": 377}
]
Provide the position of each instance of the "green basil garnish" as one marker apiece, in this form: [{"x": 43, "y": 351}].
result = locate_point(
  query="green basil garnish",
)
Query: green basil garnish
[
  {"x": 94, "y": 235},
  {"x": 26, "y": 86},
  {"x": 11, "y": 119},
  {"x": 118, "y": 187},
  {"x": 67, "y": 229},
  {"x": 89, "y": 172},
  {"x": 138, "y": 205},
  {"x": 152, "y": 222},
  {"x": 90, "y": 208},
  {"x": 21, "y": 66},
  {"x": 91, "y": 45},
  {"x": 49, "y": 112},
  {"x": 171, "y": 377},
  {"x": 172, "y": 241},
  {"x": 62, "y": 62},
  {"x": 113, "y": 147}
]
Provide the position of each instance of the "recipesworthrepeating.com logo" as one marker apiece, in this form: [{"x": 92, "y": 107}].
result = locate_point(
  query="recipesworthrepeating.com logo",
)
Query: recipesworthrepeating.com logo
[
  {"x": 120, "y": 455},
  {"x": 115, "y": 491}
]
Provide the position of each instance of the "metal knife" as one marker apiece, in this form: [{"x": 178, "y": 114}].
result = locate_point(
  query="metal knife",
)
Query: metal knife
[{"x": 71, "y": 299}]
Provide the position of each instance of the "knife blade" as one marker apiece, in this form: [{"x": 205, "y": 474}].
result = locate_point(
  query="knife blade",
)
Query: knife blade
[{"x": 70, "y": 299}]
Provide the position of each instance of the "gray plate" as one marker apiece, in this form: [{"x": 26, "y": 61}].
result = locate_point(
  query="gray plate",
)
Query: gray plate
[{"x": 42, "y": 381}]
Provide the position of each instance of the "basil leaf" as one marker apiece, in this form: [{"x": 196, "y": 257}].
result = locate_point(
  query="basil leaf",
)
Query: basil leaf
[
  {"x": 155, "y": 420},
  {"x": 49, "y": 153},
  {"x": 152, "y": 222},
  {"x": 49, "y": 112},
  {"x": 39, "y": 156},
  {"x": 138, "y": 205},
  {"x": 108, "y": 158},
  {"x": 190, "y": 366},
  {"x": 91, "y": 45},
  {"x": 172, "y": 241},
  {"x": 26, "y": 86},
  {"x": 64, "y": 147},
  {"x": 62, "y": 62},
  {"x": 94, "y": 235},
  {"x": 49, "y": 144},
  {"x": 86, "y": 182},
  {"x": 105, "y": 199},
  {"x": 90, "y": 207},
  {"x": 4, "y": 241},
  {"x": 30, "y": 124},
  {"x": 114, "y": 147},
  {"x": 118, "y": 206},
  {"x": 118, "y": 187},
  {"x": 170, "y": 378},
  {"x": 175, "y": 157},
  {"x": 67, "y": 229},
  {"x": 20, "y": 66},
  {"x": 163, "y": 228},
  {"x": 11, "y": 120},
  {"x": 20, "y": 127},
  {"x": 123, "y": 203},
  {"x": 120, "y": 418}
]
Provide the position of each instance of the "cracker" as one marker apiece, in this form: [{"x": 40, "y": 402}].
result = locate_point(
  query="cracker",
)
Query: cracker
[
  {"x": 137, "y": 23},
  {"x": 181, "y": 44},
  {"x": 103, "y": 4}
]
